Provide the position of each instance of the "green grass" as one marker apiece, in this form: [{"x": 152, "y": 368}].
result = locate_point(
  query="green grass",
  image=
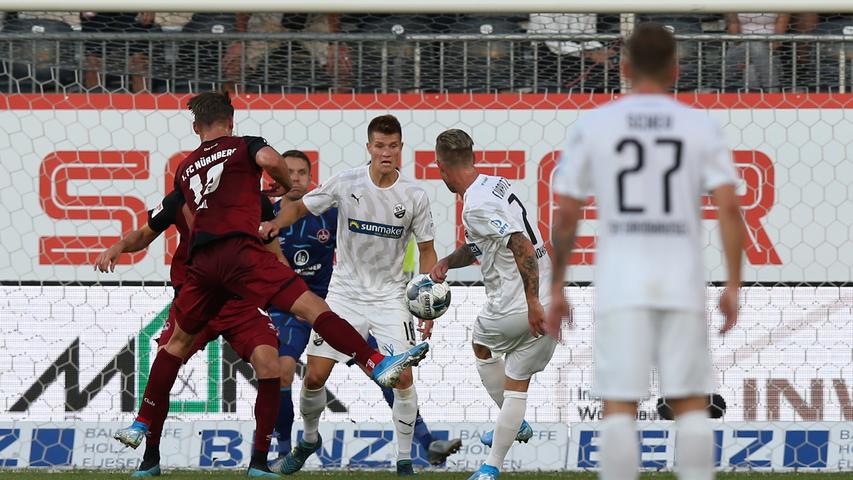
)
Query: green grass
[{"x": 373, "y": 475}]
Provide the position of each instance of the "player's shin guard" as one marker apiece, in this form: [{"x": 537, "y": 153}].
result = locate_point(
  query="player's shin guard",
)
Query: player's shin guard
[
  {"x": 266, "y": 410},
  {"x": 341, "y": 336},
  {"x": 311, "y": 406},
  {"x": 284, "y": 421},
  {"x": 620, "y": 448},
  {"x": 155, "y": 401},
  {"x": 509, "y": 419},
  {"x": 404, "y": 413},
  {"x": 493, "y": 375},
  {"x": 694, "y": 447}
]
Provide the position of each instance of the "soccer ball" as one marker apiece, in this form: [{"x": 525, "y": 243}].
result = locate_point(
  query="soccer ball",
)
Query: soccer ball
[{"x": 426, "y": 299}]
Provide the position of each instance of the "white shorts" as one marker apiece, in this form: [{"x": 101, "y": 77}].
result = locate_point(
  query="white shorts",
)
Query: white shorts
[
  {"x": 628, "y": 343},
  {"x": 390, "y": 323},
  {"x": 510, "y": 336}
]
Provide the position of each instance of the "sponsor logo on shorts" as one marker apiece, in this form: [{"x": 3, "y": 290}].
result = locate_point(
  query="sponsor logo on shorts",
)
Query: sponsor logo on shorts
[
  {"x": 318, "y": 340},
  {"x": 399, "y": 210},
  {"x": 375, "y": 229},
  {"x": 301, "y": 257}
]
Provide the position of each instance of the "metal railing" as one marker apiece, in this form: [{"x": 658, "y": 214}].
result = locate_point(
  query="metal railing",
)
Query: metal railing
[{"x": 404, "y": 62}]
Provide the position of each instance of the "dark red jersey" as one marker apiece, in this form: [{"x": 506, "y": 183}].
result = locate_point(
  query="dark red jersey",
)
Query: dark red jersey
[
  {"x": 168, "y": 213},
  {"x": 220, "y": 183}
]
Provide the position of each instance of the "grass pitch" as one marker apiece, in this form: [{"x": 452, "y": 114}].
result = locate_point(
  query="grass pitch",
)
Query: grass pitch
[{"x": 374, "y": 475}]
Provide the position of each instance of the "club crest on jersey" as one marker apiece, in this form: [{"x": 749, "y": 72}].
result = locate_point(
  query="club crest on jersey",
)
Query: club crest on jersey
[
  {"x": 375, "y": 229},
  {"x": 399, "y": 210},
  {"x": 301, "y": 257},
  {"x": 499, "y": 226},
  {"x": 323, "y": 235}
]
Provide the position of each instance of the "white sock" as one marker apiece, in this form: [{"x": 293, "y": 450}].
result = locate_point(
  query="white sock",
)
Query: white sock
[
  {"x": 694, "y": 446},
  {"x": 404, "y": 412},
  {"x": 493, "y": 375},
  {"x": 311, "y": 406},
  {"x": 506, "y": 428},
  {"x": 620, "y": 448}
]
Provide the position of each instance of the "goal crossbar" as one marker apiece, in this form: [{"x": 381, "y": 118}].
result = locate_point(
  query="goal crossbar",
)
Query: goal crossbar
[{"x": 440, "y": 6}]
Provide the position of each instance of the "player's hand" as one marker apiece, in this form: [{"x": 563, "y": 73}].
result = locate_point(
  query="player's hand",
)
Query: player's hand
[
  {"x": 267, "y": 230},
  {"x": 536, "y": 318},
  {"x": 425, "y": 327},
  {"x": 729, "y": 308},
  {"x": 558, "y": 312},
  {"x": 106, "y": 261},
  {"x": 439, "y": 271}
]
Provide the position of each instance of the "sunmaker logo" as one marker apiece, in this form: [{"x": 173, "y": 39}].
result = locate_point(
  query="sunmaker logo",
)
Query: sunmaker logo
[{"x": 375, "y": 229}]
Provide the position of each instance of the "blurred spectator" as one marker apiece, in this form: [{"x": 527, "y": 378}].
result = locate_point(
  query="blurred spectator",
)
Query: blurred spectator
[
  {"x": 750, "y": 64},
  {"x": 100, "y": 56},
  {"x": 172, "y": 21},
  {"x": 71, "y": 18},
  {"x": 569, "y": 64},
  {"x": 332, "y": 58}
]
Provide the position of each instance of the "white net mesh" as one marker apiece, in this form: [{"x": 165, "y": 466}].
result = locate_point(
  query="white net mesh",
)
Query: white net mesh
[{"x": 78, "y": 170}]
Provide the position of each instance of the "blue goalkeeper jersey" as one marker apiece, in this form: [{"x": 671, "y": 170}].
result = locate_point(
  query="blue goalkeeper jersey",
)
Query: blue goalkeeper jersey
[{"x": 309, "y": 247}]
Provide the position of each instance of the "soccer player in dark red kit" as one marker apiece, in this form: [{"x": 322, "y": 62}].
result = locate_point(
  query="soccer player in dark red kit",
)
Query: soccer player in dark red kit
[
  {"x": 235, "y": 322},
  {"x": 219, "y": 183}
]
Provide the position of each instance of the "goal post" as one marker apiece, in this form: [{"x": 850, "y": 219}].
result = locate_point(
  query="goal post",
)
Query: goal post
[{"x": 85, "y": 154}]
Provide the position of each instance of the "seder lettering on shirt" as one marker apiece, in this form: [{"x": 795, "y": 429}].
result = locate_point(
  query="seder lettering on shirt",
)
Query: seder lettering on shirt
[
  {"x": 374, "y": 226},
  {"x": 647, "y": 160},
  {"x": 491, "y": 213}
]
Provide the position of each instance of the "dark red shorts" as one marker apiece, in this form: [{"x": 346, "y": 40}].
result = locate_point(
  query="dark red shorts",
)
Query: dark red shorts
[
  {"x": 242, "y": 325},
  {"x": 234, "y": 267}
]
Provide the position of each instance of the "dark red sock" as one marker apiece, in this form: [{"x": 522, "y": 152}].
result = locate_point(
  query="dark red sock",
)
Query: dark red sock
[
  {"x": 266, "y": 411},
  {"x": 345, "y": 339},
  {"x": 155, "y": 428},
  {"x": 164, "y": 371}
]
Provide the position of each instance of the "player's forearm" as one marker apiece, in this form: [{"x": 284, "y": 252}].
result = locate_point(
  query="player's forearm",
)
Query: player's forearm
[
  {"x": 461, "y": 257},
  {"x": 528, "y": 267},
  {"x": 732, "y": 231},
  {"x": 562, "y": 241},
  {"x": 136, "y": 240},
  {"x": 427, "y": 260},
  {"x": 290, "y": 213}
]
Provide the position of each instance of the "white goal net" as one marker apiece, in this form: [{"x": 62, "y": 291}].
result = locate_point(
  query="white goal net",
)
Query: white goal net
[{"x": 94, "y": 122}]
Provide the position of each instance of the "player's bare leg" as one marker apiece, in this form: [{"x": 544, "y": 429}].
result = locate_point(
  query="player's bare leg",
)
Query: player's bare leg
[
  {"x": 620, "y": 450},
  {"x": 340, "y": 335},
  {"x": 511, "y": 396},
  {"x": 694, "y": 439},
  {"x": 155, "y": 401},
  {"x": 264, "y": 360}
]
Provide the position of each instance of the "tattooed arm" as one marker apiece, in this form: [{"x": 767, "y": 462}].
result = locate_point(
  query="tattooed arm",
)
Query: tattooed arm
[
  {"x": 528, "y": 267},
  {"x": 525, "y": 257},
  {"x": 461, "y": 257}
]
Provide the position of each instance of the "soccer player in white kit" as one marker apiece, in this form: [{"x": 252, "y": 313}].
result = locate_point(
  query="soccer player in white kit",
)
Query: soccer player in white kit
[
  {"x": 378, "y": 210},
  {"x": 648, "y": 159},
  {"x": 513, "y": 260}
]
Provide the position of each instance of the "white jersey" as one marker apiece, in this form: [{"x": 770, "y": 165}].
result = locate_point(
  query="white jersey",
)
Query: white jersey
[
  {"x": 647, "y": 159},
  {"x": 491, "y": 213},
  {"x": 374, "y": 226}
]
